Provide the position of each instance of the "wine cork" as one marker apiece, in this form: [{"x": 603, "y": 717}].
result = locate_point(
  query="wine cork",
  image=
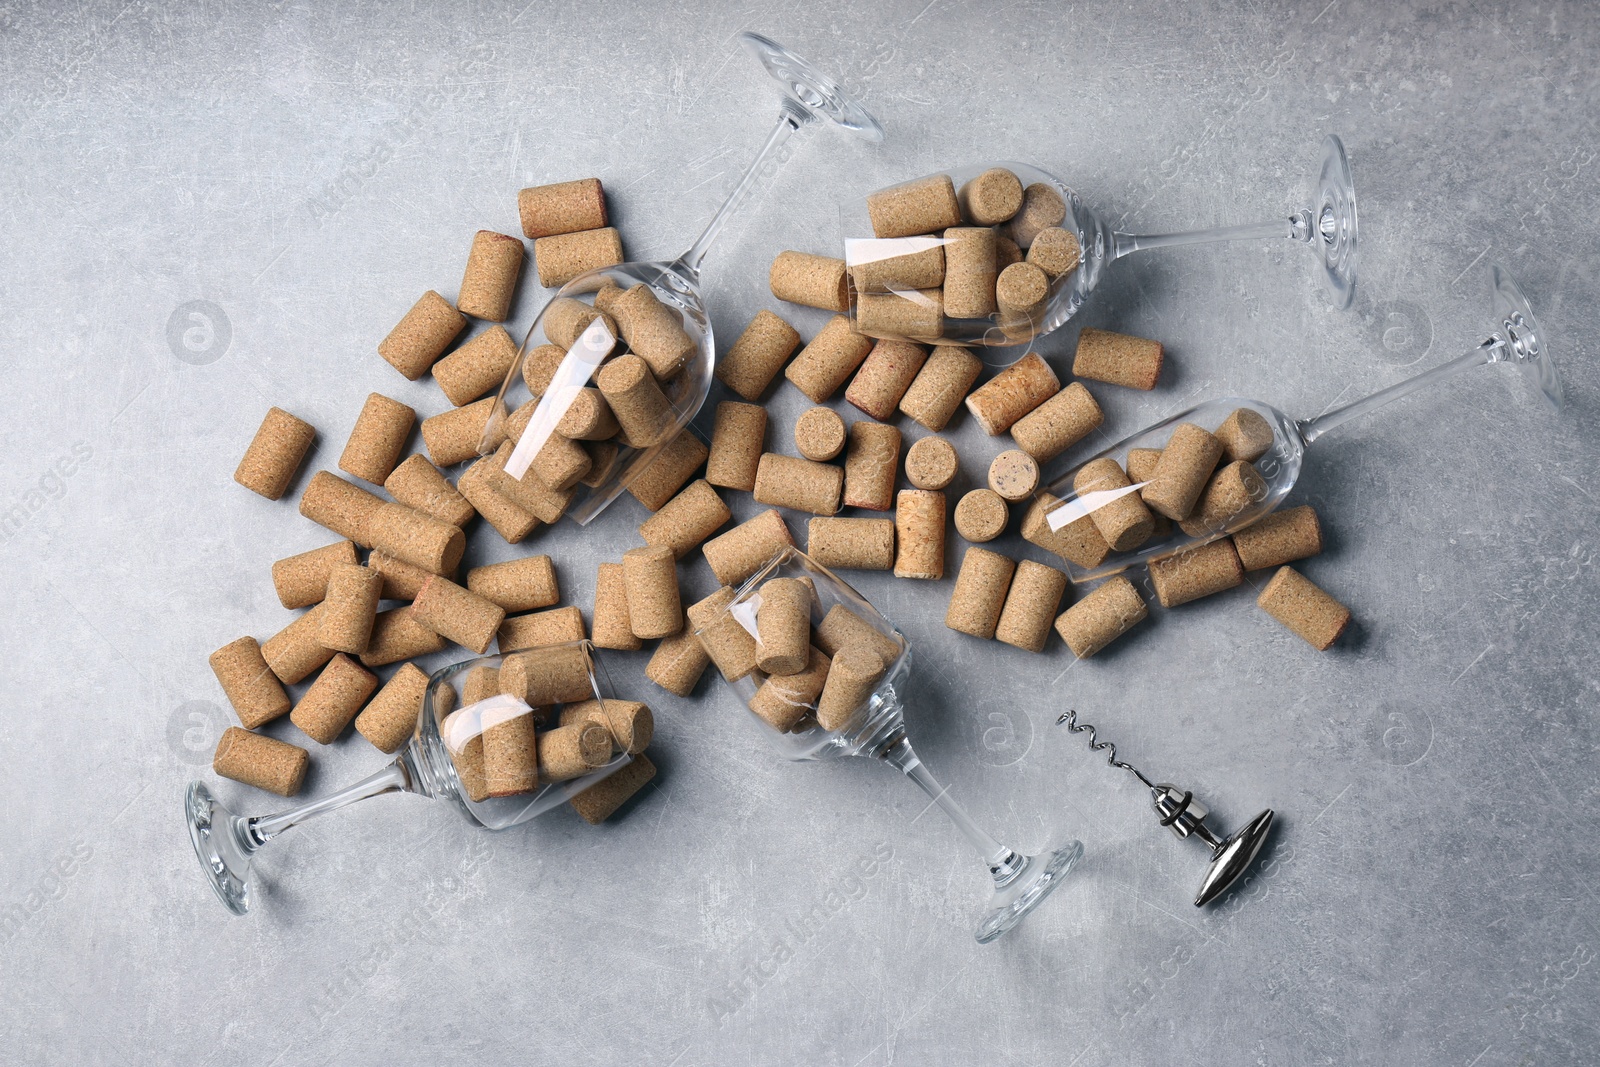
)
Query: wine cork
[
  {"x": 883, "y": 379},
  {"x": 1020, "y": 292},
  {"x": 529, "y": 492},
  {"x": 562, "y": 207},
  {"x": 1232, "y": 489},
  {"x": 490, "y": 280},
  {"x": 612, "y": 628},
  {"x": 1120, "y": 516},
  {"x": 541, "y": 629},
  {"x": 1182, "y": 472},
  {"x": 932, "y": 463},
  {"x": 390, "y": 719},
  {"x": 333, "y": 699},
  {"x": 603, "y": 462},
  {"x": 559, "y": 464},
  {"x": 737, "y": 441},
  {"x": 401, "y": 581},
  {"x": 819, "y": 434},
  {"x": 678, "y": 662},
  {"x": 249, "y": 684},
  {"x": 1196, "y": 572},
  {"x": 264, "y": 762},
  {"x": 396, "y": 636},
  {"x": 1014, "y": 475},
  {"x": 871, "y": 461},
  {"x": 602, "y": 800},
  {"x": 565, "y": 318},
  {"x": 919, "y": 528},
  {"x": 731, "y": 647},
  {"x": 1055, "y": 251},
  {"x": 991, "y": 198},
  {"x": 941, "y": 385},
  {"x": 558, "y": 674},
  {"x": 1013, "y": 393},
  {"x": 842, "y": 627},
  {"x": 686, "y": 520},
  {"x": 378, "y": 439},
  {"x": 1278, "y": 538},
  {"x": 1244, "y": 435},
  {"x": 560, "y": 258},
  {"x": 453, "y": 436},
  {"x": 851, "y": 544},
  {"x": 295, "y": 651},
  {"x": 831, "y": 357},
  {"x": 419, "y": 339},
  {"x": 629, "y": 722},
  {"x": 419, "y": 485},
  {"x": 1142, "y": 463},
  {"x": 463, "y": 739},
  {"x": 588, "y": 418},
  {"x": 969, "y": 272},
  {"x": 1117, "y": 358},
  {"x": 1077, "y": 542},
  {"x": 783, "y": 700},
  {"x": 791, "y": 482},
  {"x": 893, "y": 265},
  {"x": 783, "y": 626},
  {"x": 480, "y": 683},
  {"x": 814, "y": 281},
  {"x": 650, "y": 576},
  {"x": 673, "y": 466},
  {"x": 1101, "y": 617},
  {"x": 350, "y": 608},
  {"x": 458, "y": 614},
  {"x": 539, "y": 370},
  {"x": 745, "y": 549},
  {"x": 981, "y": 515},
  {"x": 853, "y": 674},
  {"x": 275, "y": 453},
  {"x": 1058, "y": 423},
  {"x": 1309, "y": 612},
  {"x": 1030, "y": 607},
  {"x": 418, "y": 539},
  {"x": 606, "y": 296},
  {"x": 1042, "y": 208},
  {"x": 302, "y": 580},
  {"x": 642, "y": 410},
  {"x": 913, "y": 314},
  {"x": 925, "y": 205},
  {"x": 758, "y": 355},
  {"x": 511, "y": 752},
  {"x": 980, "y": 593},
  {"x": 480, "y": 484},
  {"x": 653, "y": 330}
]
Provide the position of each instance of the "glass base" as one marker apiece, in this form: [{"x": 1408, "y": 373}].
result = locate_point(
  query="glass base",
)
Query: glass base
[
  {"x": 1024, "y": 891},
  {"x": 810, "y": 88},
  {"x": 1336, "y": 225},
  {"x": 214, "y": 831},
  {"x": 1515, "y": 325}
]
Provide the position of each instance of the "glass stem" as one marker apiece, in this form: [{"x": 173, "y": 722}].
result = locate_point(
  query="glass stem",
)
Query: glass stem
[
  {"x": 395, "y": 778},
  {"x": 1123, "y": 243},
  {"x": 790, "y": 118},
  {"x": 1311, "y": 429},
  {"x": 1003, "y": 862}
]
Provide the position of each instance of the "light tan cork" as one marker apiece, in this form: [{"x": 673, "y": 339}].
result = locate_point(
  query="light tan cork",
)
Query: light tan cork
[
  {"x": 401, "y": 581},
  {"x": 452, "y": 436},
  {"x": 1055, "y": 251},
  {"x": 558, "y": 674},
  {"x": 1231, "y": 490},
  {"x": 1279, "y": 538},
  {"x": 397, "y": 636},
  {"x": 1101, "y": 617},
  {"x": 1077, "y": 542},
  {"x": 275, "y": 453},
  {"x": 610, "y": 619},
  {"x": 1142, "y": 463},
  {"x": 465, "y": 745},
  {"x": 603, "y": 463},
  {"x": 295, "y": 651},
  {"x": 1042, "y": 208},
  {"x": 1121, "y": 517},
  {"x": 565, "y": 318},
  {"x": 481, "y": 485},
  {"x": 560, "y": 258},
  {"x": 819, "y": 434},
  {"x": 588, "y": 418},
  {"x": 350, "y": 608},
  {"x": 912, "y": 314},
  {"x": 302, "y": 580},
  {"x": 853, "y": 674},
  {"x": 783, "y": 626},
  {"x": 851, "y": 544},
  {"x": 1006, "y": 251},
  {"x": 926, "y": 205},
  {"x": 919, "y": 529},
  {"x": 418, "y": 539},
  {"x": 541, "y": 629},
  {"x": 655, "y": 606},
  {"x": 991, "y": 198},
  {"x": 490, "y": 280},
  {"x": 981, "y": 515},
  {"x": 731, "y": 647},
  {"x": 562, "y": 207},
  {"x": 758, "y": 355},
  {"x": 686, "y": 520},
  {"x": 528, "y": 492},
  {"x": 539, "y": 370},
  {"x": 560, "y": 464},
  {"x": 333, "y": 699},
  {"x": 832, "y": 356},
  {"x": 510, "y": 753},
  {"x": 1244, "y": 435},
  {"x": 814, "y": 281},
  {"x": 264, "y": 762},
  {"x": 932, "y": 463},
  {"x": 917, "y": 264},
  {"x": 980, "y": 593},
  {"x": 737, "y": 441},
  {"x": 480, "y": 683},
  {"x": 938, "y": 389},
  {"x": 419, "y": 339},
  {"x": 883, "y": 379},
  {"x": 1020, "y": 292},
  {"x": 390, "y": 718},
  {"x": 678, "y": 662},
  {"x": 1117, "y": 358},
  {"x": 1195, "y": 573},
  {"x": 518, "y": 584},
  {"x": 630, "y": 723},
  {"x": 378, "y": 439},
  {"x": 872, "y": 460},
  {"x": 969, "y": 272},
  {"x": 1030, "y": 607},
  {"x": 642, "y": 410},
  {"x": 653, "y": 330},
  {"x": 458, "y": 614},
  {"x": 600, "y": 801},
  {"x": 418, "y": 484},
  {"x": 1302, "y": 606},
  {"x": 1182, "y": 471},
  {"x": 1058, "y": 424},
  {"x": 745, "y": 549},
  {"x": 842, "y": 627},
  {"x": 1013, "y": 393},
  {"x": 672, "y": 468},
  {"x": 249, "y": 684},
  {"x": 1014, "y": 475},
  {"x": 783, "y": 700},
  {"x": 801, "y": 484}
]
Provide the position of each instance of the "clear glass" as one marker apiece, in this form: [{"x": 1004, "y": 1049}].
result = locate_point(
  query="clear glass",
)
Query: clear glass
[
  {"x": 1515, "y": 339},
  {"x": 877, "y": 730},
  {"x": 809, "y": 97},
  {"x": 1328, "y": 227},
  {"x": 440, "y": 761}
]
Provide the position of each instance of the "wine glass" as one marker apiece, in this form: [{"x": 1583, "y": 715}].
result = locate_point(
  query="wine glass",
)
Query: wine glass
[
  {"x": 903, "y": 303},
  {"x": 807, "y": 719},
  {"x": 1515, "y": 339},
  {"x": 809, "y": 97},
  {"x": 443, "y": 760}
]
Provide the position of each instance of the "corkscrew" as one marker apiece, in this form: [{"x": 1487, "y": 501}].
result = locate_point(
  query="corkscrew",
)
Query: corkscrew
[{"x": 1186, "y": 816}]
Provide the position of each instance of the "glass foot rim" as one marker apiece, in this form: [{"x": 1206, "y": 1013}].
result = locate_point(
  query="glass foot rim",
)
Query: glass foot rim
[
  {"x": 1038, "y": 879},
  {"x": 207, "y": 820},
  {"x": 810, "y": 88},
  {"x": 1519, "y": 328},
  {"x": 1336, "y": 210}
]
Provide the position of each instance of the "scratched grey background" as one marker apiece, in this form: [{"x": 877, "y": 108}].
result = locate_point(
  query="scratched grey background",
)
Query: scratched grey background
[{"x": 309, "y": 169}]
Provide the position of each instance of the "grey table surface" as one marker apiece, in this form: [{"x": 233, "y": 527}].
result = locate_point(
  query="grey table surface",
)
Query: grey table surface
[{"x": 1430, "y": 895}]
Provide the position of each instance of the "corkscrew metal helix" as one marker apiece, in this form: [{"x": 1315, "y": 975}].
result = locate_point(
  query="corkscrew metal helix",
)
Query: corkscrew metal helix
[{"x": 1186, "y": 816}]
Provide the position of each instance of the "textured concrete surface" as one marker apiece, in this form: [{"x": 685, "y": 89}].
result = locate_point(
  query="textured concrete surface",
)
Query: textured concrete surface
[{"x": 307, "y": 170}]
